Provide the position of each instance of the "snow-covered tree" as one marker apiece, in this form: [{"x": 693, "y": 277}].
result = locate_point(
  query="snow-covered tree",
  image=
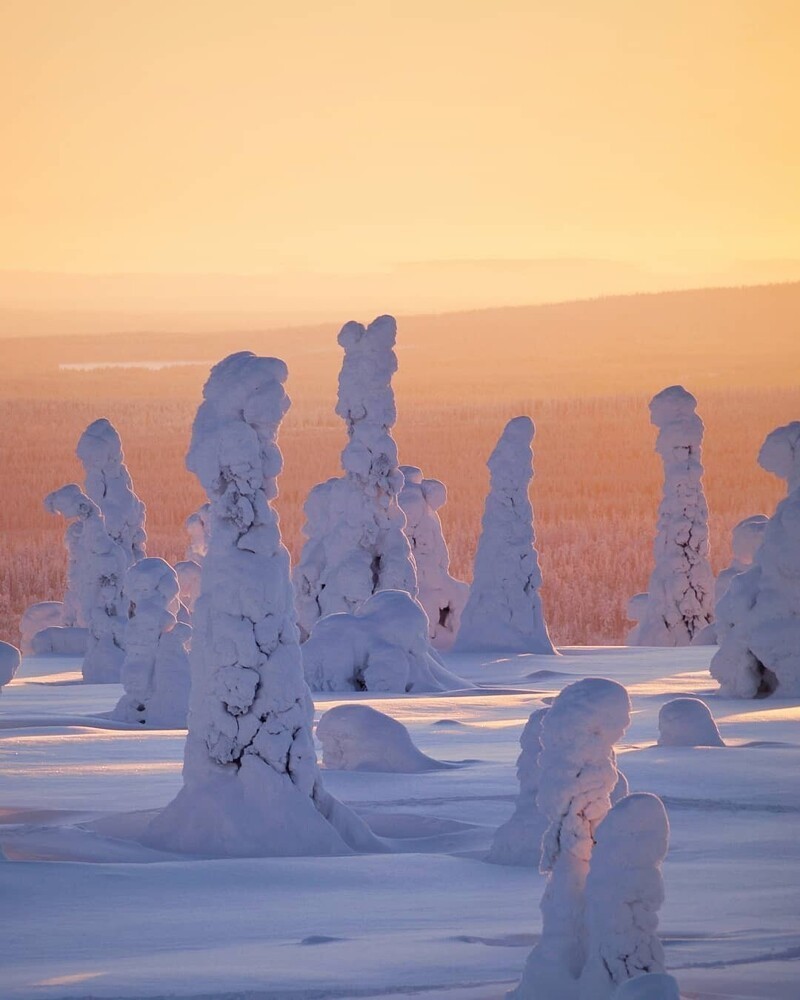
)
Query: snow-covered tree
[
  {"x": 189, "y": 575},
  {"x": 109, "y": 484},
  {"x": 251, "y": 782},
  {"x": 577, "y": 777},
  {"x": 99, "y": 569},
  {"x": 36, "y": 617},
  {"x": 504, "y": 610},
  {"x": 745, "y": 541},
  {"x": 650, "y": 986},
  {"x": 10, "y": 660},
  {"x": 680, "y": 595},
  {"x": 355, "y": 544},
  {"x": 687, "y": 722},
  {"x": 155, "y": 672},
  {"x": 441, "y": 595},
  {"x": 197, "y": 527},
  {"x": 360, "y": 738},
  {"x": 624, "y": 891}
]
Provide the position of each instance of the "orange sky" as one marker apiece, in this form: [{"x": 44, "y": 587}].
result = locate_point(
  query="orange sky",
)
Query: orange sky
[{"x": 254, "y": 135}]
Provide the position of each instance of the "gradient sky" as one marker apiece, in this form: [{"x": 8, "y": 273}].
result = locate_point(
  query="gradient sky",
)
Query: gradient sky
[{"x": 250, "y": 135}]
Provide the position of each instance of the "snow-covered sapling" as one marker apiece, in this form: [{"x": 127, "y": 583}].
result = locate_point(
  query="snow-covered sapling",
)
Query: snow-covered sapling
[
  {"x": 10, "y": 660},
  {"x": 251, "y": 782},
  {"x": 745, "y": 541},
  {"x": 45, "y": 614},
  {"x": 680, "y": 594},
  {"x": 504, "y": 609},
  {"x": 155, "y": 672},
  {"x": 687, "y": 722},
  {"x": 359, "y": 738}
]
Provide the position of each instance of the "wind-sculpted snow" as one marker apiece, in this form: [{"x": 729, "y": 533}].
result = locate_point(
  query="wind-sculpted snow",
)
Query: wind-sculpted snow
[
  {"x": 680, "y": 594},
  {"x": 759, "y": 616},
  {"x": 155, "y": 672},
  {"x": 359, "y": 738},
  {"x": 577, "y": 775},
  {"x": 687, "y": 722},
  {"x": 504, "y": 610},
  {"x": 355, "y": 543},
  {"x": 109, "y": 484},
  {"x": 624, "y": 891},
  {"x": 383, "y": 646},
  {"x": 251, "y": 781},
  {"x": 441, "y": 595},
  {"x": 97, "y": 568},
  {"x": 9, "y": 663}
]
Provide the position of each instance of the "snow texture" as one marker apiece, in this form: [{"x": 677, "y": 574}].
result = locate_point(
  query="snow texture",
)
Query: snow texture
[
  {"x": 759, "y": 616},
  {"x": 10, "y": 660},
  {"x": 109, "y": 484},
  {"x": 197, "y": 527},
  {"x": 98, "y": 569},
  {"x": 155, "y": 672},
  {"x": 680, "y": 594},
  {"x": 359, "y": 738},
  {"x": 687, "y": 722},
  {"x": 383, "y": 646},
  {"x": 251, "y": 782},
  {"x": 35, "y": 618},
  {"x": 577, "y": 776},
  {"x": 504, "y": 609},
  {"x": 651, "y": 986},
  {"x": 60, "y": 640},
  {"x": 441, "y": 595},
  {"x": 624, "y": 891},
  {"x": 189, "y": 574},
  {"x": 355, "y": 542}
]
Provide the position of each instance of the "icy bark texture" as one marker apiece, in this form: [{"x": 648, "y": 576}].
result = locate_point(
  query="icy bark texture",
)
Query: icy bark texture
[
  {"x": 624, "y": 891},
  {"x": 577, "y": 776},
  {"x": 441, "y": 595},
  {"x": 680, "y": 595},
  {"x": 359, "y": 738},
  {"x": 98, "y": 565},
  {"x": 109, "y": 484},
  {"x": 504, "y": 610},
  {"x": 759, "y": 617},
  {"x": 251, "y": 782},
  {"x": 354, "y": 525},
  {"x": 155, "y": 672},
  {"x": 687, "y": 722},
  {"x": 10, "y": 660},
  {"x": 383, "y": 646},
  {"x": 36, "y": 617},
  {"x": 652, "y": 986}
]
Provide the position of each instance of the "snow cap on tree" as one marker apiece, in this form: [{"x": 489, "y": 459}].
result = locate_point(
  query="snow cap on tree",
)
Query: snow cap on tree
[
  {"x": 687, "y": 722},
  {"x": 745, "y": 542},
  {"x": 780, "y": 454}
]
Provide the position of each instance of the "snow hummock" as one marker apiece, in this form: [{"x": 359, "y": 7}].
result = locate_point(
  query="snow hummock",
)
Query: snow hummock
[
  {"x": 624, "y": 891},
  {"x": 504, "y": 610},
  {"x": 680, "y": 594},
  {"x": 687, "y": 722},
  {"x": 10, "y": 660},
  {"x": 441, "y": 595},
  {"x": 651, "y": 986},
  {"x": 251, "y": 782},
  {"x": 360, "y": 738},
  {"x": 37, "y": 617},
  {"x": 355, "y": 543},
  {"x": 98, "y": 565},
  {"x": 577, "y": 776},
  {"x": 382, "y": 646},
  {"x": 155, "y": 672}
]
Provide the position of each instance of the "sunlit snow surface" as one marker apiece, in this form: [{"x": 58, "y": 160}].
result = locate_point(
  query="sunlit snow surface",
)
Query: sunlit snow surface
[{"x": 430, "y": 920}]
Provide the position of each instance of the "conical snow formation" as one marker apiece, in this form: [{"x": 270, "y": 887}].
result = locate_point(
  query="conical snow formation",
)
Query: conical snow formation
[
  {"x": 251, "y": 782},
  {"x": 97, "y": 569},
  {"x": 441, "y": 595},
  {"x": 354, "y": 525},
  {"x": 109, "y": 484},
  {"x": 155, "y": 672},
  {"x": 680, "y": 595},
  {"x": 504, "y": 610},
  {"x": 759, "y": 616}
]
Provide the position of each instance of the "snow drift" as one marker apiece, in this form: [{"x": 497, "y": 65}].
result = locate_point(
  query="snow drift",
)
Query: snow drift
[{"x": 359, "y": 738}]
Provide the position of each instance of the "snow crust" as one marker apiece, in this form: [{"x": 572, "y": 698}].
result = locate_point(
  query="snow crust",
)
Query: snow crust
[
  {"x": 35, "y": 618},
  {"x": 10, "y": 660},
  {"x": 441, "y": 595},
  {"x": 687, "y": 722},
  {"x": 360, "y": 738},
  {"x": 680, "y": 594},
  {"x": 382, "y": 646},
  {"x": 504, "y": 609},
  {"x": 355, "y": 542}
]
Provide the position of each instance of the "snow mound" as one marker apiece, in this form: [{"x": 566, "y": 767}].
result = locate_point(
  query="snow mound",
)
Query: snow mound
[
  {"x": 36, "y": 617},
  {"x": 359, "y": 738},
  {"x": 383, "y": 646},
  {"x": 60, "y": 640},
  {"x": 687, "y": 722},
  {"x": 10, "y": 660},
  {"x": 652, "y": 986}
]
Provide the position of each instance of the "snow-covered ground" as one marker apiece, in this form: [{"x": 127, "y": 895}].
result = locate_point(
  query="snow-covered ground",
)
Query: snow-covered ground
[{"x": 88, "y": 912}]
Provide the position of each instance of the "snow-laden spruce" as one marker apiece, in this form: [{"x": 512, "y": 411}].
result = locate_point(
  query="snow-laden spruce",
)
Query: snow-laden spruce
[
  {"x": 355, "y": 543},
  {"x": 109, "y": 484},
  {"x": 504, "y": 609},
  {"x": 97, "y": 567},
  {"x": 577, "y": 775},
  {"x": 383, "y": 646},
  {"x": 359, "y": 738},
  {"x": 745, "y": 542},
  {"x": 624, "y": 892},
  {"x": 687, "y": 722},
  {"x": 442, "y": 596},
  {"x": 251, "y": 782},
  {"x": 155, "y": 671},
  {"x": 680, "y": 594},
  {"x": 197, "y": 528},
  {"x": 759, "y": 616},
  {"x": 10, "y": 660}
]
